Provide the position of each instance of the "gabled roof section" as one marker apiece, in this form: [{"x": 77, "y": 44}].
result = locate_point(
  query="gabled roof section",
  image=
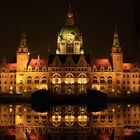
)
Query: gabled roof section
[
  {"x": 127, "y": 66},
  {"x": 56, "y": 61},
  {"x": 69, "y": 60},
  {"x": 82, "y": 60},
  {"x": 62, "y": 58},
  {"x": 38, "y": 62},
  {"x": 9, "y": 67},
  {"x": 12, "y": 67},
  {"x": 101, "y": 63},
  {"x": 73, "y": 59}
]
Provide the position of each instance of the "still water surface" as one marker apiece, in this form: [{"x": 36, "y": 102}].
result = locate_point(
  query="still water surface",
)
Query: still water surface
[{"x": 70, "y": 122}]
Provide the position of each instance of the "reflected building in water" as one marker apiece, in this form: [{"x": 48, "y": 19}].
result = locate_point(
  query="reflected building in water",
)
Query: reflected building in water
[
  {"x": 69, "y": 122},
  {"x": 70, "y": 70}
]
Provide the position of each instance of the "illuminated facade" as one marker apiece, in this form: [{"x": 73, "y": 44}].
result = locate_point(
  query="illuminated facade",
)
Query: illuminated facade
[{"x": 69, "y": 70}]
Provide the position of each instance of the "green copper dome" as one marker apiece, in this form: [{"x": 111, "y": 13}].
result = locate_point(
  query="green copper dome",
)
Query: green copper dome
[{"x": 69, "y": 29}]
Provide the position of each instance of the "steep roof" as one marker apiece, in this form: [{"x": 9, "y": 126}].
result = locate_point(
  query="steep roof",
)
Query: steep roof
[
  {"x": 127, "y": 66},
  {"x": 101, "y": 63},
  {"x": 38, "y": 62},
  {"x": 74, "y": 57},
  {"x": 11, "y": 66}
]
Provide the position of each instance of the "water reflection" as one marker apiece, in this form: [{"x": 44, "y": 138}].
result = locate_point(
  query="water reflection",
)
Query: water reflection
[{"x": 70, "y": 122}]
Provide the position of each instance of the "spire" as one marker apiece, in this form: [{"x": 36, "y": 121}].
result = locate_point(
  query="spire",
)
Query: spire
[
  {"x": 69, "y": 20},
  {"x": 23, "y": 39},
  {"x": 3, "y": 63},
  {"x": 38, "y": 56},
  {"x": 116, "y": 38},
  {"x": 116, "y": 44}
]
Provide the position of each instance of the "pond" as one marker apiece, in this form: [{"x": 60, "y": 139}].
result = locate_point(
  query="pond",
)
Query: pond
[{"x": 70, "y": 122}]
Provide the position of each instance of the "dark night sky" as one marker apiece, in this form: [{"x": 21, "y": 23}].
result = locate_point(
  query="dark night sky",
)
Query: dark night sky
[{"x": 43, "y": 19}]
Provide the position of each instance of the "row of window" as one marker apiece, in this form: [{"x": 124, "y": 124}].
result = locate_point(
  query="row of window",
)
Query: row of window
[
  {"x": 102, "y": 80},
  {"x": 133, "y": 82},
  {"x": 102, "y": 118},
  {"x": 37, "y": 69},
  {"x": 135, "y": 122},
  {"x": 134, "y": 76},
  {"x": 128, "y": 88},
  {"x": 36, "y": 80},
  {"x": 7, "y": 115},
  {"x": 102, "y": 69},
  {"x": 69, "y": 69},
  {"x": 6, "y": 76},
  {"x": 7, "y": 122},
  {"x": 5, "y": 82}
]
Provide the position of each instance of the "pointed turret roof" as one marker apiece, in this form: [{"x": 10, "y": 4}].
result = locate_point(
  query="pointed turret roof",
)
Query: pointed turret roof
[
  {"x": 116, "y": 38},
  {"x": 69, "y": 20},
  {"x": 23, "y": 39},
  {"x": 116, "y": 48}
]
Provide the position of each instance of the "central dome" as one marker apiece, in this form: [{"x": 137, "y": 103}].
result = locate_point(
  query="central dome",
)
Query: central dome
[
  {"x": 69, "y": 29},
  {"x": 69, "y": 40}
]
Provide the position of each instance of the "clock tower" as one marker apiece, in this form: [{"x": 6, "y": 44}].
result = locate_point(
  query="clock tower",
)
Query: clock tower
[{"x": 69, "y": 39}]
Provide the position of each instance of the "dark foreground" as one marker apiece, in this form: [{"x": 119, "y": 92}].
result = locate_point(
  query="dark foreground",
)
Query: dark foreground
[{"x": 27, "y": 99}]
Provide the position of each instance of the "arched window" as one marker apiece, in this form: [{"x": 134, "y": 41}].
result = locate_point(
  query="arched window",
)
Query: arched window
[
  {"x": 56, "y": 118},
  {"x": 109, "y": 80},
  {"x": 69, "y": 79},
  {"x": 95, "y": 81},
  {"x": 102, "y": 80},
  {"x": 82, "y": 79},
  {"x": 29, "y": 80},
  {"x": 69, "y": 115},
  {"x": 44, "y": 79},
  {"x": 69, "y": 120},
  {"x": 82, "y": 116},
  {"x": 56, "y": 79},
  {"x": 36, "y": 80},
  {"x": 69, "y": 48}
]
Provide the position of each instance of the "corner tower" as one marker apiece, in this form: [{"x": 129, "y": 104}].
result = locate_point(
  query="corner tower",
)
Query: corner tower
[
  {"x": 22, "y": 54},
  {"x": 69, "y": 39},
  {"x": 117, "y": 54}
]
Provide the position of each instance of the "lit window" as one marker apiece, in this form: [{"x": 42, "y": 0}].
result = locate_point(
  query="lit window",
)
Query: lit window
[
  {"x": 10, "y": 110},
  {"x": 95, "y": 80},
  {"x": 36, "y": 80},
  {"x": 29, "y": 80},
  {"x": 102, "y": 80},
  {"x": 109, "y": 80}
]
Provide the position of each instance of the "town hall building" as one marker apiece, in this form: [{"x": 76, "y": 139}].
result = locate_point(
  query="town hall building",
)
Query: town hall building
[{"x": 70, "y": 70}]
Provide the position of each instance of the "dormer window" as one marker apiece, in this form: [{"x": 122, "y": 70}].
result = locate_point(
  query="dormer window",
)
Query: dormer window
[
  {"x": 109, "y": 69},
  {"x": 102, "y": 69},
  {"x": 94, "y": 68}
]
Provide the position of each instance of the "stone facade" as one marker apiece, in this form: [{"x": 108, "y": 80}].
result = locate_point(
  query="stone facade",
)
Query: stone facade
[{"x": 70, "y": 70}]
